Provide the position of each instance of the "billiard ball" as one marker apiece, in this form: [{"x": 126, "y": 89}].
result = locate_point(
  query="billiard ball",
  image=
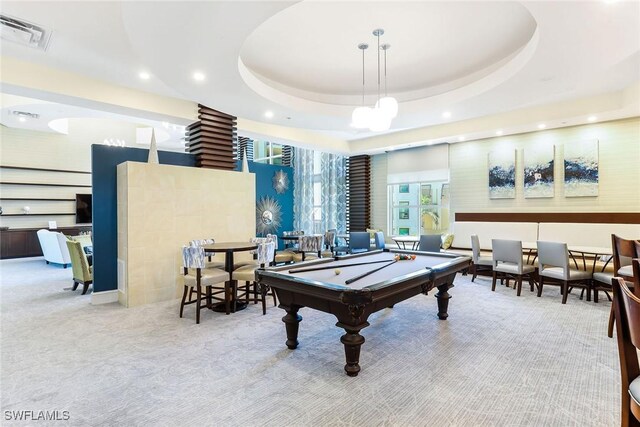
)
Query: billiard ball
[{"x": 337, "y": 271}]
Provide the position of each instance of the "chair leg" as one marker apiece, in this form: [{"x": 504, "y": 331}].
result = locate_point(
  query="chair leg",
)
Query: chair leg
[
  {"x": 184, "y": 297},
  {"x": 273, "y": 294},
  {"x": 565, "y": 291},
  {"x": 75, "y": 285},
  {"x": 234, "y": 295},
  {"x": 263, "y": 293},
  {"x": 475, "y": 272},
  {"x": 85, "y": 288},
  {"x": 540, "y": 282},
  {"x": 493, "y": 281},
  {"x": 246, "y": 292},
  {"x": 531, "y": 282},
  {"x": 595, "y": 292},
  {"x": 519, "y": 281},
  {"x": 198, "y": 301},
  {"x": 227, "y": 296},
  {"x": 611, "y": 322}
]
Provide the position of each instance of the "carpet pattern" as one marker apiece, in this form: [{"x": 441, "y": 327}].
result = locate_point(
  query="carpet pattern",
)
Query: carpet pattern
[{"x": 499, "y": 360}]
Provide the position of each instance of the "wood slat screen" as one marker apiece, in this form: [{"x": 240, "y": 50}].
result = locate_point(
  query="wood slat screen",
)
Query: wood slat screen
[
  {"x": 287, "y": 155},
  {"x": 359, "y": 193},
  {"x": 245, "y": 144},
  {"x": 563, "y": 217},
  {"x": 212, "y": 139}
]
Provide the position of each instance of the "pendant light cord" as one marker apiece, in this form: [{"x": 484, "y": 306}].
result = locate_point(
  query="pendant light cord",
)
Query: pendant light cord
[
  {"x": 378, "y": 36},
  {"x": 363, "y": 77}
]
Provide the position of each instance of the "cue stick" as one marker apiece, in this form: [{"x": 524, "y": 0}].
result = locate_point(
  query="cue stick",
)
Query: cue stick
[
  {"x": 350, "y": 281},
  {"x": 304, "y": 270}
]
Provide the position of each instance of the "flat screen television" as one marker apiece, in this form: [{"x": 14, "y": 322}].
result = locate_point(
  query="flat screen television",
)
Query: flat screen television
[{"x": 83, "y": 209}]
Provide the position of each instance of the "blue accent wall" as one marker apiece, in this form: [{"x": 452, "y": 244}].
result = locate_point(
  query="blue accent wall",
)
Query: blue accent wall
[
  {"x": 264, "y": 187},
  {"x": 104, "y": 160}
]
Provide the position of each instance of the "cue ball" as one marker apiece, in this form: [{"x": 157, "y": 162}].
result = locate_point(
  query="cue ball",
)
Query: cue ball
[{"x": 337, "y": 271}]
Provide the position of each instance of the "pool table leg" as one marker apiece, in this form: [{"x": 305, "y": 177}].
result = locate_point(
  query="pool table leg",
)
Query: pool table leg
[
  {"x": 292, "y": 322},
  {"x": 352, "y": 341},
  {"x": 443, "y": 300}
]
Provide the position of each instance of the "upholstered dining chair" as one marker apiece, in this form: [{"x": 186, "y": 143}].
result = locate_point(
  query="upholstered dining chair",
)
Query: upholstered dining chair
[
  {"x": 507, "y": 263},
  {"x": 196, "y": 277},
  {"x": 82, "y": 271},
  {"x": 254, "y": 291},
  {"x": 359, "y": 241},
  {"x": 553, "y": 263},
  {"x": 309, "y": 247},
  {"x": 430, "y": 243},
  {"x": 378, "y": 238},
  {"x": 627, "y": 314},
  {"x": 480, "y": 263},
  {"x": 280, "y": 257},
  {"x": 329, "y": 243},
  {"x": 623, "y": 251},
  {"x": 209, "y": 263}
]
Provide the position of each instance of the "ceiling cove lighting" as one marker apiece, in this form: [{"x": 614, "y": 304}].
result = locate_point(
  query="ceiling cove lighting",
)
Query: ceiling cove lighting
[
  {"x": 198, "y": 76},
  {"x": 378, "y": 118}
]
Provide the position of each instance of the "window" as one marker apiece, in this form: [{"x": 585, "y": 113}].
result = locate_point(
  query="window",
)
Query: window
[
  {"x": 267, "y": 152},
  {"x": 419, "y": 208}
]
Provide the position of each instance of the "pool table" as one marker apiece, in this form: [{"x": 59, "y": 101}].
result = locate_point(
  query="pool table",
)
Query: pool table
[{"x": 325, "y": 289}]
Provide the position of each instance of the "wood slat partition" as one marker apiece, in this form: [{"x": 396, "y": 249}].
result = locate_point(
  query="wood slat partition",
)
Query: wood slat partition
[
  {"x": 359, "y": 202},
  {"x": 212, "y": 139},
  {"x": 573, "y": 217},
  {"x": 245, "y": 144}
]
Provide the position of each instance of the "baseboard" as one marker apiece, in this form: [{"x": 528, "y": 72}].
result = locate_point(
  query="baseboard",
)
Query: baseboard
[{"x": 104, "y": 297}]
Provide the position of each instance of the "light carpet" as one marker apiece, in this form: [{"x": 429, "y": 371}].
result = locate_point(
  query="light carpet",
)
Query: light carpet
[{"x": 500, "y": 360}]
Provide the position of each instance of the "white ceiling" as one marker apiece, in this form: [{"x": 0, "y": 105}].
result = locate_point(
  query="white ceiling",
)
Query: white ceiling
[{"x": 299, "y": 59}]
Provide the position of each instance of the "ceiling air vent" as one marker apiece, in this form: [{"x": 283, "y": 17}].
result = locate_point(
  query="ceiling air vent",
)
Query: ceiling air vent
[{"x": 24, "y": 33}]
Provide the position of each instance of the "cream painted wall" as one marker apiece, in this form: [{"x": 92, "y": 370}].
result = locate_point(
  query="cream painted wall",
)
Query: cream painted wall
[
  {"x": 161, "y": 208},
  {"x": 49, "y": 150},
  {"x": 619, "y": 170}
]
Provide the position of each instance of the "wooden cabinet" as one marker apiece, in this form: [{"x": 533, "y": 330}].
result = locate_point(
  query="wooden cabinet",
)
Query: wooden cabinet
[{"x": 23, "y": 242}]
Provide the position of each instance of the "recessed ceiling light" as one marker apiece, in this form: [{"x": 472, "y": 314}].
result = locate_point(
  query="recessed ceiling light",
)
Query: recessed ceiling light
[
  {"x": 198, "y": 76},
  {"x": 446, "y": 114},
  {"x": 499, "y": 132},
  {"x": 593, "y": 118},
  {"x": 542, "y": 126},
  {"x": 144, "y": 75},
  {"x": 22, "y": 119},
  {"x": 461, "y": 138},
  {"x": 268, "y": 114}
]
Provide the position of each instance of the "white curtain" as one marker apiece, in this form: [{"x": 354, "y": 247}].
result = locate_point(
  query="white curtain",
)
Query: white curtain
[
  {"x": 332, "y": 201},
  {"x": 303, "y": 190}
]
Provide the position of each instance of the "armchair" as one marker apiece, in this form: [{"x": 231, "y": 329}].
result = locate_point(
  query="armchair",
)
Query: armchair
[{"x": 54, "y": 247}]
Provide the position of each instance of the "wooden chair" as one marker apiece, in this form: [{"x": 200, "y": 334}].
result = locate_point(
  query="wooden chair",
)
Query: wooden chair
[
  {"x": 82, "y": 271},
  {"x": 624, "y": 250},
  {"x": 507, "y": 263},
  {"x": 627, "y": 314},
  {"x": 481, "y": 264},
  {"x": 430, "y": 243},
  {"x": 196, "y": 277},
  {"x": 553, "y": 263},
  {"x": 253, "y": 291}
]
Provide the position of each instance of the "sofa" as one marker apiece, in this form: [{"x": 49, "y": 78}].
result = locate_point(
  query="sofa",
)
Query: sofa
[{"x": 54, "y": 247}]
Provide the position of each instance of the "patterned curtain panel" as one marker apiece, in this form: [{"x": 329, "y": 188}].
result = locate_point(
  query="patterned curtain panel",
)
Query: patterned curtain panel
[
  {"x": 303, "y": 190},
  {"x": 334, "y": 202}
]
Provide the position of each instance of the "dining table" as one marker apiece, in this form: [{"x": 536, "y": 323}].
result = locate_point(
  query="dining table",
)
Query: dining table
[
  {"x": 229, "y": 248},
  {"x": 576, "y": 252},
  {"x": 404, "y": 240}
]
